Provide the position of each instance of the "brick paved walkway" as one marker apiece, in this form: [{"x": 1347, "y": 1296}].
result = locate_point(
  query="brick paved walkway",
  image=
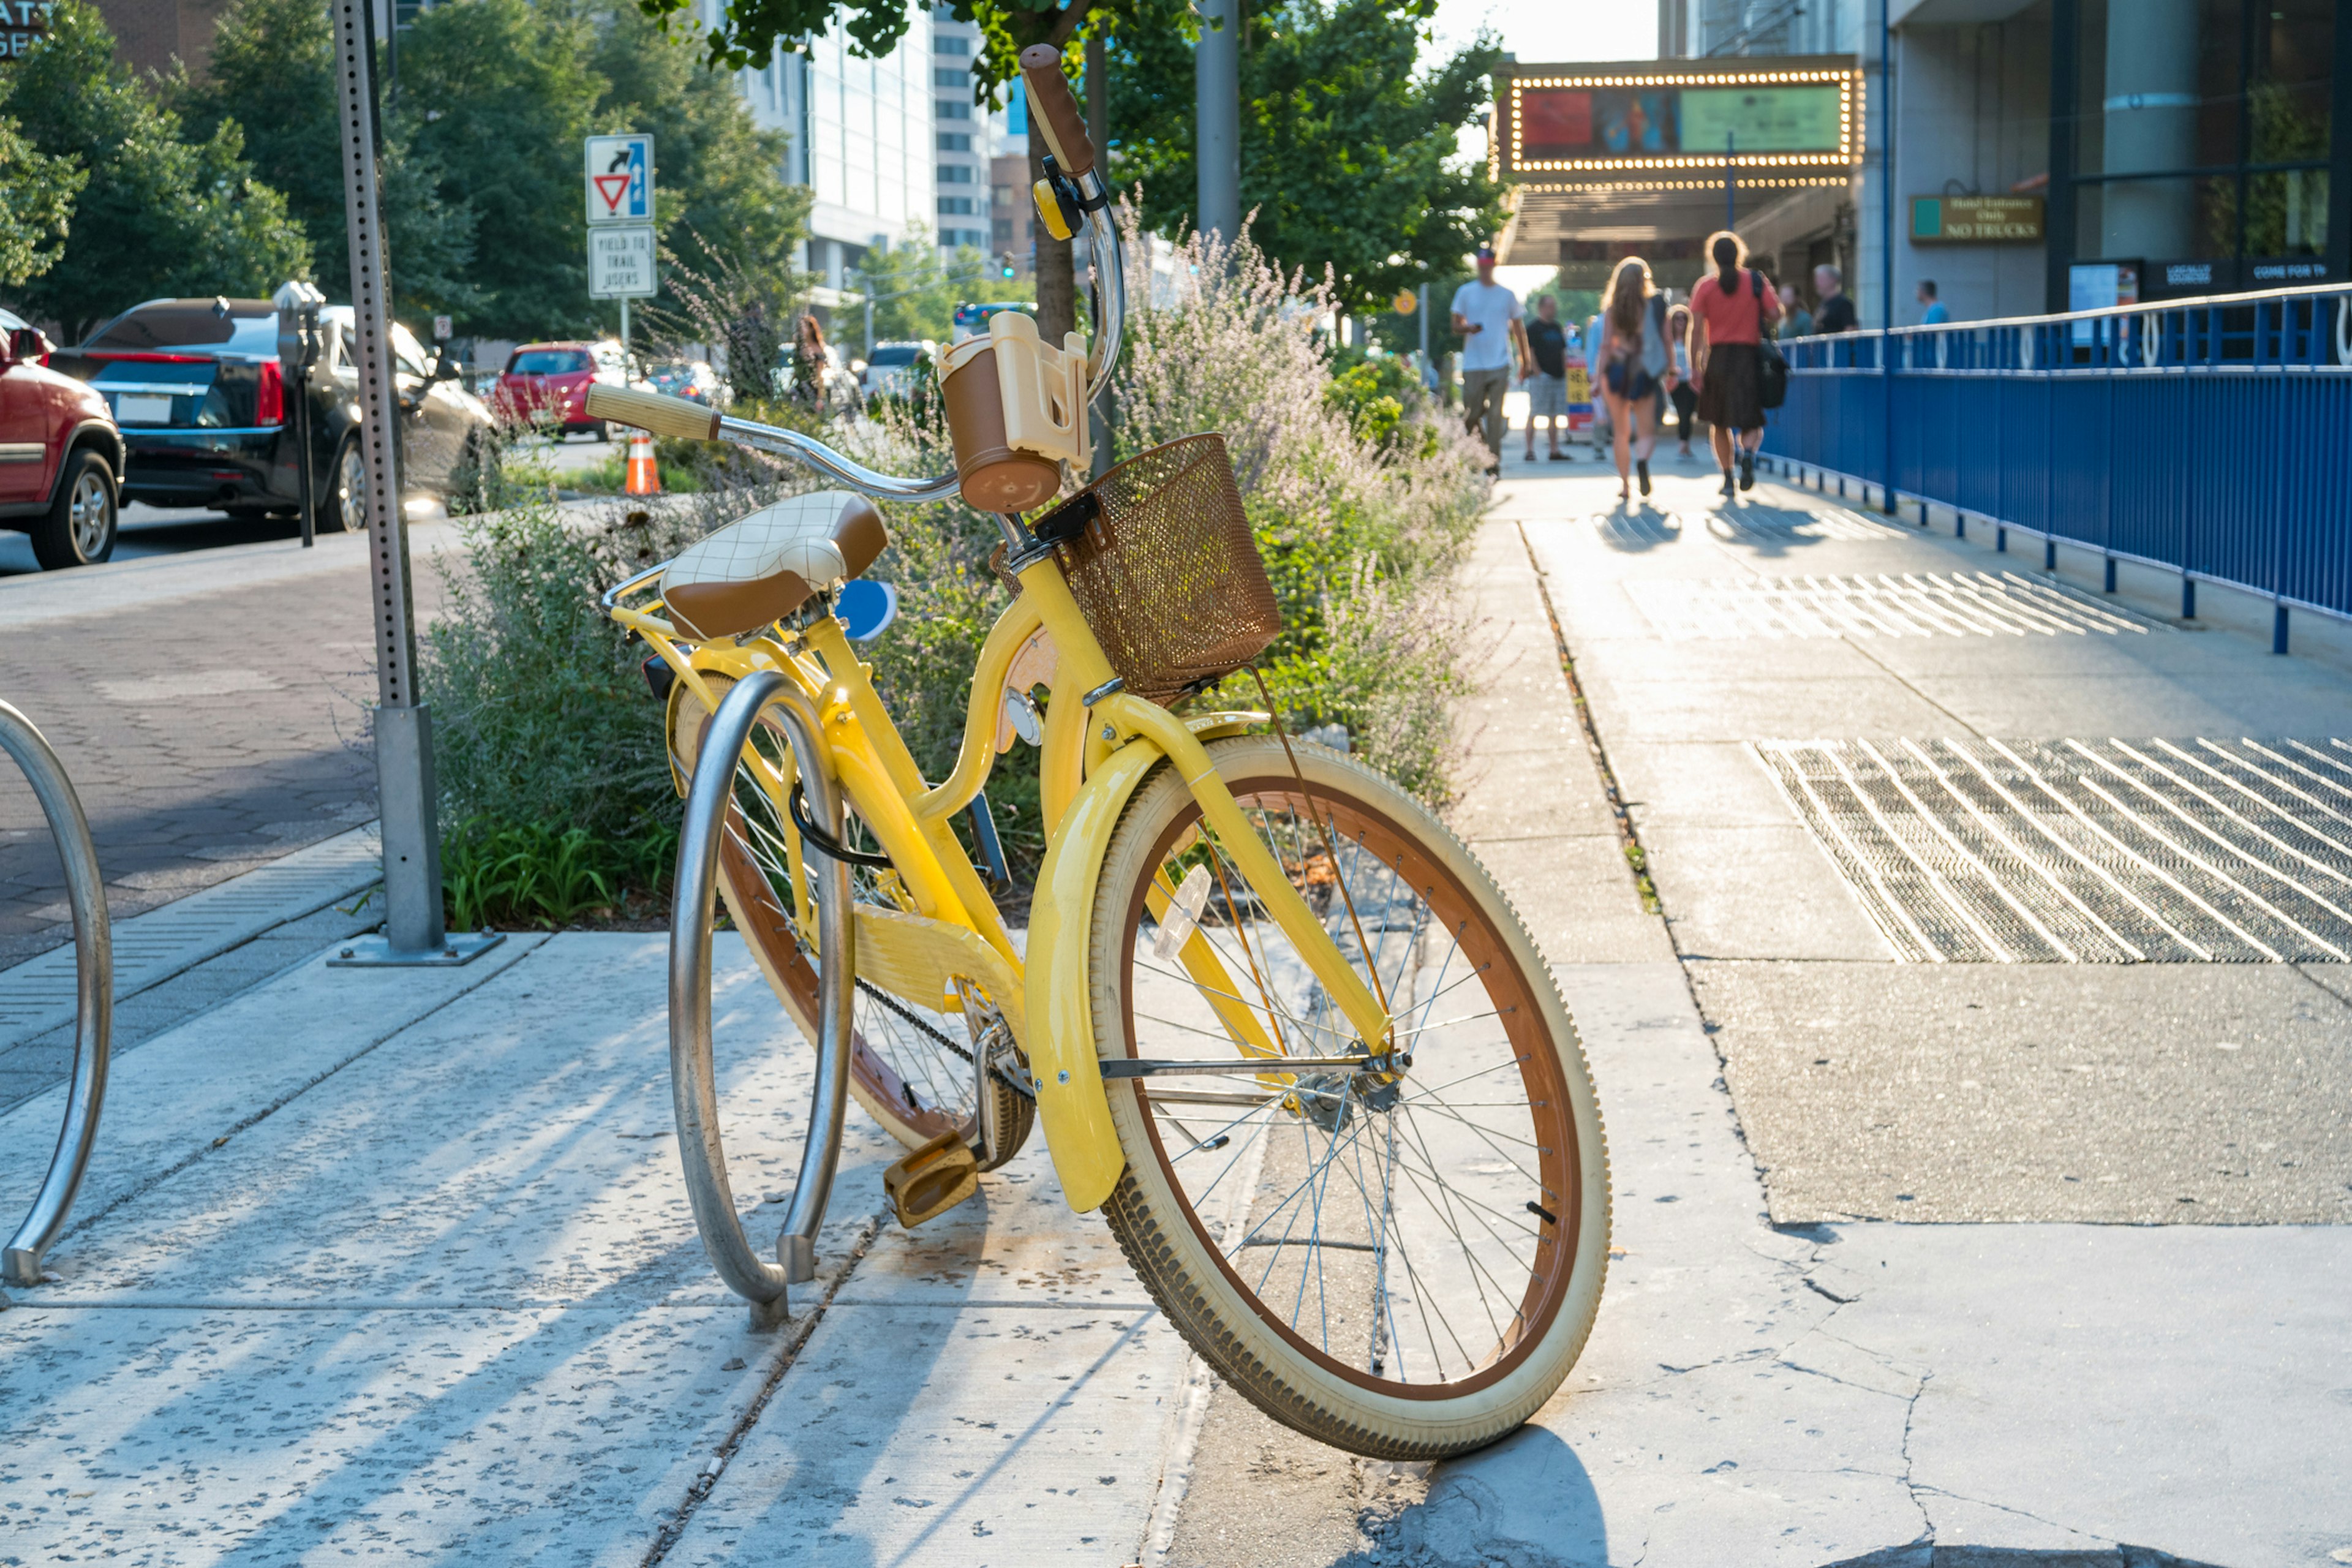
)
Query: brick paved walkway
[{"x": 206, "y": 734}]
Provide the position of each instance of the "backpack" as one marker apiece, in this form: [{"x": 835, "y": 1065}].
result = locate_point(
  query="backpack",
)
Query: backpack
[{"x": 1772, "y": 368}]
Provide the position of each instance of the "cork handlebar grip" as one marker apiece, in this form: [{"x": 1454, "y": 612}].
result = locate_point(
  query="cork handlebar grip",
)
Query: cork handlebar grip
[
  {"x": 652, "y": 411},
  {"x": 1053, "y": 108}
]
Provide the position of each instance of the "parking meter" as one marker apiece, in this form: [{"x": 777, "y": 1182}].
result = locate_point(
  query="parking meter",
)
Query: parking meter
[{"x": 300, "y": 343}]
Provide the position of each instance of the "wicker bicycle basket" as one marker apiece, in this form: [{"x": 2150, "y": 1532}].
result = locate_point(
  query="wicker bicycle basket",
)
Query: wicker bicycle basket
[{"x": 1159, "y": 558}]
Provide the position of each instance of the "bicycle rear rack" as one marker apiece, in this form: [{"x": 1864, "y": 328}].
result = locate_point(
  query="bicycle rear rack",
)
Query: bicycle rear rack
[{"x": 94, "y": 996}]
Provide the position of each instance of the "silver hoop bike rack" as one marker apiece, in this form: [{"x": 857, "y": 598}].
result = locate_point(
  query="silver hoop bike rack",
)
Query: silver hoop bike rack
[
  {"x": 94, "y": 995},
  {"x": 765, "y": 695}
]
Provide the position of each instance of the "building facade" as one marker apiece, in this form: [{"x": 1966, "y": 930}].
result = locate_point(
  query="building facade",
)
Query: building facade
[
  {"x": 2055, "y": 155},
  {"x": 863, "y": 138},
  {"x": 962, "y": 137}
]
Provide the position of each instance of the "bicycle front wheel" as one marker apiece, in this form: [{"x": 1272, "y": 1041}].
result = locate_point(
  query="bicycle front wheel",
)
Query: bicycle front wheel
[{"x": 1405, "y": 1270}]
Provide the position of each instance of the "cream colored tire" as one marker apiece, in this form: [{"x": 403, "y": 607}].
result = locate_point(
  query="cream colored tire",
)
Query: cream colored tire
[{"x": 1411, "y": 1378}]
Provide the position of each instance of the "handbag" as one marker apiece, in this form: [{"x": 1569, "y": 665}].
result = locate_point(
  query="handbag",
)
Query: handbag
[{"x": 1773, "y": 367}]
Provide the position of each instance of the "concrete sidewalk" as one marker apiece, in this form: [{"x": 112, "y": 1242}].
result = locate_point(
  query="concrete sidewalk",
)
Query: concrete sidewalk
[{"x": 385, "y": 1264}]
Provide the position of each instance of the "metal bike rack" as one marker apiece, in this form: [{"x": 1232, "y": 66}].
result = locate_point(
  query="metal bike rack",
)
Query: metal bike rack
[
  {"x": 94, "y": 975},
  {"x": 693, "y": 1087}
]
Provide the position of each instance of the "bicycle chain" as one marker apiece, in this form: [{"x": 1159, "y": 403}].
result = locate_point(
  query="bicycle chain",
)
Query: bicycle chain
[{"x": 1017, "y": 1085}]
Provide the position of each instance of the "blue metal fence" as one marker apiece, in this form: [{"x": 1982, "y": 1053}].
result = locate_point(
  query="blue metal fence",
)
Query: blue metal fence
[{"x": 2211, "y": 436}]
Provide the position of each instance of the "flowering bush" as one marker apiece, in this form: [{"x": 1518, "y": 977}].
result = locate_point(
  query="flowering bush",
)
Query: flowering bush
[{"x": 551, "y": 757}]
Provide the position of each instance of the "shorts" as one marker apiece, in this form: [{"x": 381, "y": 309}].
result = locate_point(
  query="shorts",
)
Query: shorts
[
  {"x": 1618, "y": 375},
  {"x": 1547, "y": 396}
]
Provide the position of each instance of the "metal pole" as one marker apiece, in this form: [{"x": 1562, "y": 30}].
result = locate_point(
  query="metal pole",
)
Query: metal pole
[
  {"x": 93, "y": 997},
  {"x": 405, "y": 795},
  {"x": 1886, "y": 240},
  {"x": 1421, "y": 310},
  {"x": 1730, "y": 207},
  {"x": 625, "y": 338},
  {"x": 1217, "y": 106}
]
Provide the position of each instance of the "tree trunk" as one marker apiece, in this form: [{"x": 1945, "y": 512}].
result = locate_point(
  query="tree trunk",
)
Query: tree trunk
[{"x": 1056, "y": 291}]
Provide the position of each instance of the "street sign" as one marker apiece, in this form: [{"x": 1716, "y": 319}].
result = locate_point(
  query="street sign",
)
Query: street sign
[
  {"x": 441, "y": 329},
  {"x": 1976, "y": 220},
  {"x": 621, "y": 263},
  {"x": 621, "y": 178}
]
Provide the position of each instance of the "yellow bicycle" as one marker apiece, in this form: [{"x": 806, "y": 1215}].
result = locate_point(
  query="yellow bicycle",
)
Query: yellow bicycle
[{"x": 1277, "y": 1024}]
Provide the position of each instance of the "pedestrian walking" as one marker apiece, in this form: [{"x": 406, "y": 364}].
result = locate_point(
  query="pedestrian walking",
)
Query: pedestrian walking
[
  {"x": 809, "y": 363},
  {"x": 1936, "y": 314},
  {"x": 1728, "y": 317},
  {"x": 1796, "y": 322},
  {"x": 1494, "y": 344},
  {"x": 1547, "y": 382},
  {"x": 1836, "y": 314},
  {"x": 1684, "y": 393},
  {"x": 1634, "y": 365}
]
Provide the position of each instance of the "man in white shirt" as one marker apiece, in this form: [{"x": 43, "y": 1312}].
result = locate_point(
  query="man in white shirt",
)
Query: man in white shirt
[{"x": 1494, "y": 344}]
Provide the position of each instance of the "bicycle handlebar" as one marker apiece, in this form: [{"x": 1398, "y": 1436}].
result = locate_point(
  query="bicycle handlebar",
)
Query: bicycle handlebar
[{"x": 1053, "y": 109}]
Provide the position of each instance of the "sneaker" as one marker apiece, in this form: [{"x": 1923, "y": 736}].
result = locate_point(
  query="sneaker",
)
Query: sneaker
[
  {"x": 1563, "y": 457},
  {"x": 1643, "y": 469},
  {"x": 1730, "y": 487},
  {"x": 1747, "y": 470}
]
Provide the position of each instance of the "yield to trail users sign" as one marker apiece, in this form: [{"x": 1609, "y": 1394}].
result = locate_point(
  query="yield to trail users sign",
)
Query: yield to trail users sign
[
  {"x": 621, "y": 263},
  {"x": 621, "y": 179}
]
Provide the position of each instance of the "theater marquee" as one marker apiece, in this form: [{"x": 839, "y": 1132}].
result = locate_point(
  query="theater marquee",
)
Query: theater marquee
[{"x": 1797, "y": 117}]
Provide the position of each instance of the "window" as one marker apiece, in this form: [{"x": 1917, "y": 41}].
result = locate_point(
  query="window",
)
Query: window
[
  {"x": 955, "y": 141},
  {"x": 949, "y": 76},
  {"x": 955, "y": 174},
  {"x": 954, "y": 108},
  {"x": 1003, "y": 194},
  {"x": 951, "y": 238},
  {"x": 958, "y": 206},
  {"x": 2203, "y": 138},
  {"x": 1002, "y": 229},
  {"x": 944, "y": 44}
]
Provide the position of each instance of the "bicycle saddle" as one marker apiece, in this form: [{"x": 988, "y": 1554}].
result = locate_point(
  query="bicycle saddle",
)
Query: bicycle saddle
[{"x": 765, "y": 566}]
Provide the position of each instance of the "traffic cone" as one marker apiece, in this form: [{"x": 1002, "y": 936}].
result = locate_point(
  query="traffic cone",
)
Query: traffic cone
[{"x": 644, "y": 475}]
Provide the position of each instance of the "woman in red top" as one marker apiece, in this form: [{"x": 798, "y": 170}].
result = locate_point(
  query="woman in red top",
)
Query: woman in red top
[{"x": 1726, "y": 327}]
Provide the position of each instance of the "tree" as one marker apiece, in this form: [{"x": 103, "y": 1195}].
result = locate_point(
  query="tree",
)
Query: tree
[
  {"x": 916, "y": 292},
  {"x": 161, "y": 214},
  {"x": 36, "y": 201},
  {"x": 749, "y": 32},
  {"x": 273, "y": 66},
  {"x": 1348, "y": 158}
]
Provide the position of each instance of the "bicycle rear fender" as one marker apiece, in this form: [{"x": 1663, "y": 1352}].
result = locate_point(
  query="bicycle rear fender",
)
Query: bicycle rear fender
[{"x": 1071, "y": 1102}]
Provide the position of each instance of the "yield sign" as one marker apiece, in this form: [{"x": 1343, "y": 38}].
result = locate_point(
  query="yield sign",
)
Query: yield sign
[{"x": 620, "y": 171}]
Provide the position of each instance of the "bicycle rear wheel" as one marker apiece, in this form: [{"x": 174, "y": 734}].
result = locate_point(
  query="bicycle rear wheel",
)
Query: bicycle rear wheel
[
  {"x": 1405, "y": 1270},
  {"x": 910, "y": 1064}
]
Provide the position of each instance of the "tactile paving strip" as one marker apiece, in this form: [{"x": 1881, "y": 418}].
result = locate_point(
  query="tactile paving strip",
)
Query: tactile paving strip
[
  {"x": 1642, "y": 528},
  {"x": 1911, "y": 605},
  {"x": 2114, "y": 851},
  {"x": 38, "y": 995}
]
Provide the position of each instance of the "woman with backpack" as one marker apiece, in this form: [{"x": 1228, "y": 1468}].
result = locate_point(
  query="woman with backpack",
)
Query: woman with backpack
[
  {"x": 1728, "y": 309},
  {"x": 1634, "y": 365}
]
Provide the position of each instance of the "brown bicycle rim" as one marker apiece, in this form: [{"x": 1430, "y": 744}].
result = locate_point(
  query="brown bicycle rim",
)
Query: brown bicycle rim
[{"x": 1540, "y": 1072}]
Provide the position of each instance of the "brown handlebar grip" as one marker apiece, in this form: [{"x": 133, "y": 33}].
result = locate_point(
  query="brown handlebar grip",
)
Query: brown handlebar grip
[
  {"x": 1053, "y": 109},
  {"x": 652, "y": 410}
]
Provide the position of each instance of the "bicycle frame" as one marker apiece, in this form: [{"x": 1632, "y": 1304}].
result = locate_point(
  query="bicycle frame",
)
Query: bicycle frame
[{"x": 1093, "y": 759}]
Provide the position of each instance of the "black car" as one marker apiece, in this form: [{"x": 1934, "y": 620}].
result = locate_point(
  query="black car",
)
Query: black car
[{"x": 204, "y": 407}]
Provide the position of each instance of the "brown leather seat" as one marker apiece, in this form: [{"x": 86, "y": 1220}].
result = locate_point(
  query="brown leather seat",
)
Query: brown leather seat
[{"x": 766, "y": 566}]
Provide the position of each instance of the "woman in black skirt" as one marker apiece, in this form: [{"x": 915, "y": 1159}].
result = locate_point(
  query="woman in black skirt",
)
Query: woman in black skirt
[{"x": 1728, "y": 323}]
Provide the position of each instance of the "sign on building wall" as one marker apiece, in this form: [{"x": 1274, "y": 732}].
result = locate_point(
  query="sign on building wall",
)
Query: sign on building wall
[
  {"x": 1616, "y": 120},
  {"x": 22, "y": 24},
  {"x": 1976, "y": 220},
  {"x": 1763, "y": 119}
]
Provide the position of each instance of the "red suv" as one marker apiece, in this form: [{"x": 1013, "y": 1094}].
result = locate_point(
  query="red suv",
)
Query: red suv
[
  {"x": 60, "y": 455},
  {"x": 555, "y": 377}
]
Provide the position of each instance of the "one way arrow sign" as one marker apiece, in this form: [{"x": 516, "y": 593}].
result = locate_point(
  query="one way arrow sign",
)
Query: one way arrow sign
[{"x": 619, "y": 179}]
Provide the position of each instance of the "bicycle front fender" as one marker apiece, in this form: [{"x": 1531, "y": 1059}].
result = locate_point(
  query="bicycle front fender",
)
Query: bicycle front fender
[{"x": 1071, "y": 1102}]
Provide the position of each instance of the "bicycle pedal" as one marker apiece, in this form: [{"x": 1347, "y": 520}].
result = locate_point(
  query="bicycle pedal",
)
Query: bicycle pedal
[{"x": 926, "y": 1182}]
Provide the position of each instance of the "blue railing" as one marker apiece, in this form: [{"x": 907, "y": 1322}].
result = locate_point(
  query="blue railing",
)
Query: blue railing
[{"x": 2211, "y": 436}]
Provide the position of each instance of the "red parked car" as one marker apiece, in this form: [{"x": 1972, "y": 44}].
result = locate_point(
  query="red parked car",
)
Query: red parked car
[
  {"x": 555, "y": 377},
  {"x": 60, "y": 455}
]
